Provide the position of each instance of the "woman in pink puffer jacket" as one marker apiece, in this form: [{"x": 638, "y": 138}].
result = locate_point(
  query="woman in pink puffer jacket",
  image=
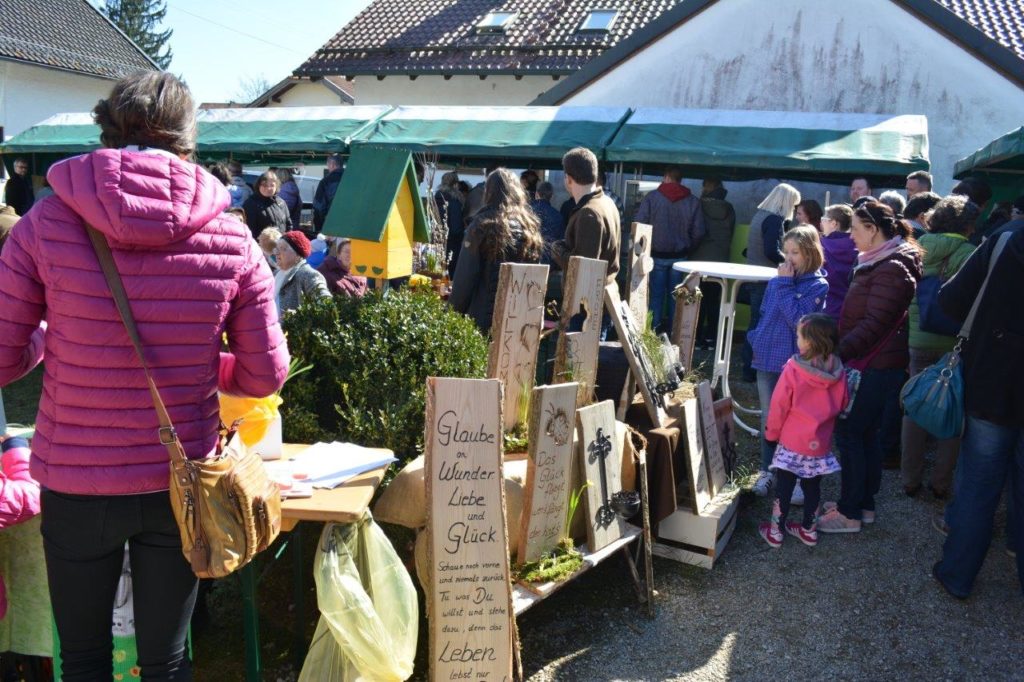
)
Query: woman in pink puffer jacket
[{"x": 192, "y": 276}]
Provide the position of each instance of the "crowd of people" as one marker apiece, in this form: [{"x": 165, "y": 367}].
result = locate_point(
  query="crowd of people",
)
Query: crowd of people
[{"x": 205, "y": 257}]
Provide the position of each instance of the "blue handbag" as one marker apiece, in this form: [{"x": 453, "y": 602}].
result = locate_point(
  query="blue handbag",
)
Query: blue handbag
[{"x": 934, "y": 399}]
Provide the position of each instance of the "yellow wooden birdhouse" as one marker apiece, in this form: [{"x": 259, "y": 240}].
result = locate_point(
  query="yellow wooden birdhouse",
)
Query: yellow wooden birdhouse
[{"x": 378, "y": 207}]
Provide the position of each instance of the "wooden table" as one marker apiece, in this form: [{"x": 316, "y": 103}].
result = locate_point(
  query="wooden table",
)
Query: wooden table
[{"x": 345, "y": 504}]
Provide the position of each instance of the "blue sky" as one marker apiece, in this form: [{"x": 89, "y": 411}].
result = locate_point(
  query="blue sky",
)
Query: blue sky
[{"x": 218, "y": 44}]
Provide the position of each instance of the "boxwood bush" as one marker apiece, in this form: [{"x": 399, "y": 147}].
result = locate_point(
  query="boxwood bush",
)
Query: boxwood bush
[{"x": 371, "y": 357}]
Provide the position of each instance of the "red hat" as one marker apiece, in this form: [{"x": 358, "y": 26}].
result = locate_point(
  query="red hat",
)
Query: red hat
[{"x": 299, "y": 243}]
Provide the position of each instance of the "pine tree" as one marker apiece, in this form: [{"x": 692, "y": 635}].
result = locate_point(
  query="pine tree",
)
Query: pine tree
[{"x": 139, "y": 20}]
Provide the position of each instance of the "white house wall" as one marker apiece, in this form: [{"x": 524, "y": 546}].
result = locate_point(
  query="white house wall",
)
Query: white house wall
[
  {"x": 821, "y": 55},
  {"x": 29, "y": 94},
  {"x": 494, "y": 90}
]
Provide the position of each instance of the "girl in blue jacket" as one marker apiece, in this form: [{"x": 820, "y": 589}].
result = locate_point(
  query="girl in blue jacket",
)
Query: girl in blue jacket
[{"x": 799, "y": 289}]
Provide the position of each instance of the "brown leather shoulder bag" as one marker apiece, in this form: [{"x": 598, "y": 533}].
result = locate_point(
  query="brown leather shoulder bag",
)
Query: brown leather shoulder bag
[{"x": 226, "y": 507}]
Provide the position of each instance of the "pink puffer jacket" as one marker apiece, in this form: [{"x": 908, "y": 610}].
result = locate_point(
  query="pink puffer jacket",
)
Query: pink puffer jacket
[{"x": 191, "y": 275}]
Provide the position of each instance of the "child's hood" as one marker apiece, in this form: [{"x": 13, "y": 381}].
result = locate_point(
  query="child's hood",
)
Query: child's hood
[{"x": 818, "y": 372}]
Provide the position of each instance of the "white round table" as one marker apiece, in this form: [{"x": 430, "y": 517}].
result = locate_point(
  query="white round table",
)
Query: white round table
[{"x": 730, "y": 276}]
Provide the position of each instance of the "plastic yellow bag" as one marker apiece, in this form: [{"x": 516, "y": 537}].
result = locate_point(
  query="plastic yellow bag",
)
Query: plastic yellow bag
[
  {"x": 255, "y": 413},
  {"x": 369, "y": 611}
]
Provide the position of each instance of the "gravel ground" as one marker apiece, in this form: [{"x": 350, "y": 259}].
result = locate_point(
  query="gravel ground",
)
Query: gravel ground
[{"x": 858, "y": 606}]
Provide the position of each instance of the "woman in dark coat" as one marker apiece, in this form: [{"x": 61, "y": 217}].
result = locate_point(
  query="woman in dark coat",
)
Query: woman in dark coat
[
  {"x": 873, "y": 338},
  {"x": 265, "y": 208},
  {"x": 505, "y": 230}
]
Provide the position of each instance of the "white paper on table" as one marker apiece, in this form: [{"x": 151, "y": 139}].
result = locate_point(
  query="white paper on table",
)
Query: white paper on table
[{"x": 328, "y": 465}]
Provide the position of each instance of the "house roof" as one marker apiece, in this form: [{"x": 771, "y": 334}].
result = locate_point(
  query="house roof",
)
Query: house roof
[
  {"x": 70, "y": 35},
  {"x": 990, "y": 29},
  {"x": 440, "y": 37},
  {"x": 339, "y": 86}
]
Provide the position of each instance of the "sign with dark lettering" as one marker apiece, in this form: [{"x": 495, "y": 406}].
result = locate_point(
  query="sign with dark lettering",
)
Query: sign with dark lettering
[
  {"x": 515, "y": 334},
  {"x": 640, "y": 366},
  {"x": 684, "y": 323},
  {"x": 640, "y": 266},
  {"x": 470, "y": 599},
  {"x": 548, "y": 472}
]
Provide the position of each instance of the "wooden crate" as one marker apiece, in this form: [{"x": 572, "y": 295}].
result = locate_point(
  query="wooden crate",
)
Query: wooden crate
[{"x": 699, "y": 539}]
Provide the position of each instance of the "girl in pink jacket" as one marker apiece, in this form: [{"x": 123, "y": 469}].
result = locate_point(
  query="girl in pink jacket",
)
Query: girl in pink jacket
[
  {"x": 19, "y": 494},
  {"x": 810, "y": 394}
]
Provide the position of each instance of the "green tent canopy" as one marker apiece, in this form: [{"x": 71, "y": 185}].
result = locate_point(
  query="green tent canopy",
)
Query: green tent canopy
[
  {"x": 60, "y": 134},
  {"x": 242, "y": 133},
  {"x": 535, "y": 136},
  {"x": 1002, "y": 155},
  {"x": 820, "y": 147},
  {"x": 266, "y": 132}
]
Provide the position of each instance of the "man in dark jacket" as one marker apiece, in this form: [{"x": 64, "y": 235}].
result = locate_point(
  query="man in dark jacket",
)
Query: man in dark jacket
[
  {"x": 593, "y": 229},
  {"x": 991, "y": 449},
  {"x": 677, "y": 220},
  {"x": 325, "y": 191},
  {"x": 720, "y": 223},
  {"x": 552, "y": 227},
  {"x": 18, "y": 192}
]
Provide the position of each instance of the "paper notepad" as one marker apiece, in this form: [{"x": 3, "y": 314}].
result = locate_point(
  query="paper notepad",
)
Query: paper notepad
[{"x": 328, "y": 465}]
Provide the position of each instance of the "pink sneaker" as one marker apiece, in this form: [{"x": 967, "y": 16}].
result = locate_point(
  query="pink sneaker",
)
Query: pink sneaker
[
  {"x": 867, "y": 516},
  {"x": 807, "y": 536},
  {"x": 771, "y": 534},
  {"x": 833, "y": 521}
]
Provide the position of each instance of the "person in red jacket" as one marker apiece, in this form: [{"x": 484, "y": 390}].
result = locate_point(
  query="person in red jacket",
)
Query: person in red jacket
[
  {"x": 809, "y": 396},
  {"x": 873, "y": 339}
]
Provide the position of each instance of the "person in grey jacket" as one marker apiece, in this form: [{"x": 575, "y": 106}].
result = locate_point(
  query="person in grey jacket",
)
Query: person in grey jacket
[
  {"x": 296, "y": 280},
  {"x": 677, "y": 219}
]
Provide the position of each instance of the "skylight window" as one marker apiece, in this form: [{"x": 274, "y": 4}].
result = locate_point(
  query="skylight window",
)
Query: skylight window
[
  {"x": 599, "y": 20},
  {"x": 496, "y": 22}
]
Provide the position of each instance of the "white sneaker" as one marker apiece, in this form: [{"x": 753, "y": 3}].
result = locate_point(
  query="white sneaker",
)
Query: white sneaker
[
  {"x": 762, "y": 484},
  {"x": 798, "y": 496}
]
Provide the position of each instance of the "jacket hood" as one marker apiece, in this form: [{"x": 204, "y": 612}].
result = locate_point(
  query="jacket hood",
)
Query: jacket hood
[
  {"x": 939, "y": 247},
  {"x": 818, "y": 373},
  {"x": 673, "y": 191},
  {"x": 716, "y": 209},
  {"x": 146, "y": 198}
]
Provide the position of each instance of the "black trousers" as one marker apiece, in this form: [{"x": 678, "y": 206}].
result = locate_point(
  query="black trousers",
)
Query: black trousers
[
  {"x": 84, "y": 538},
  {"x": 785, "y": 482}
]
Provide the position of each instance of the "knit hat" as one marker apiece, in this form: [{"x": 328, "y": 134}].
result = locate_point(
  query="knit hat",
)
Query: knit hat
[{"x": 299, "y": 243}]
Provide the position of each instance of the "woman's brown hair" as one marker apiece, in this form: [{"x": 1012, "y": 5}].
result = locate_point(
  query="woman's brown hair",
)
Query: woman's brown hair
[
  {"x": 149, "y": 109},
  {"x": 881, "y": 216},
  {"x": 267, "y": 176},
  {"x": 813, "y": 211},
  {"x": 505, "y": 208},
  {"x": 821, "y": 333},
  {"x": 807, "y": 240}
]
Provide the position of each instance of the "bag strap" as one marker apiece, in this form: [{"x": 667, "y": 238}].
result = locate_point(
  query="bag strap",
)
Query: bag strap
[
  {"x": 965, "y": 331},
  {"x": 167, "y": 433}
]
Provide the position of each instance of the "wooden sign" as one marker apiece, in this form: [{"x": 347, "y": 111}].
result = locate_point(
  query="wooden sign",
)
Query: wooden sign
[
  {"x": 548, "y": 471},
  {"x": 601, "y": 462},
  {"x": 470, "y": 598},
  {"x": 726, "y": 433},
  {"x": 684, "y": 323},
  {"x": 717, "y": 478},
  {"x": 582, "y": 306},
  {"x": 640, "y": 366},
  {"x": 700, "y": 494},
  {"x": 640, "y": 266},
  {"x": 515, "y": 333}
]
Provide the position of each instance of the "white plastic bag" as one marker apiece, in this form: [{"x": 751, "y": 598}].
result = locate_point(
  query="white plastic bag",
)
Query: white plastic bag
[{"x": 359, "y": 636}]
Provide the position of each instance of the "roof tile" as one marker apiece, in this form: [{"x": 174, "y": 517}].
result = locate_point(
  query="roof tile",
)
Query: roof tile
[
  {"x": 1000, "y": 20},
  {"x": 67, "y": 34}
]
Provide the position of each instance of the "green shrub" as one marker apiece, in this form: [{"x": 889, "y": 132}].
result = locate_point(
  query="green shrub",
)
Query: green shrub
[{"x": 371, "y": 357}]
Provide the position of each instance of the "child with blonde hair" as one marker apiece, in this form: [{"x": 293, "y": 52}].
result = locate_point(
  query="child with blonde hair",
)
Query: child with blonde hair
[
  {"x": 799, "y": 289},
  {"x": 810, "y": 394}
]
